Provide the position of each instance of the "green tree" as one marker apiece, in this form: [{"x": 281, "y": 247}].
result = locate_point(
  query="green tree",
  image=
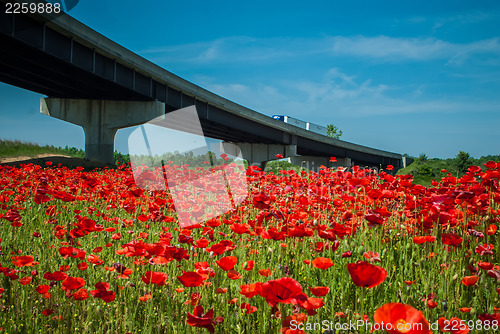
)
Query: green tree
[
  {"x": 422, "y": 157},
  {"x": 425, "y": 170},
  {"x": 463, "y": 161},
  {"x": 333, "y": 132}
]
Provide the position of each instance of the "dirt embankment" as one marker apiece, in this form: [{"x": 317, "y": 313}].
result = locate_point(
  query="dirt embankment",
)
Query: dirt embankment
[{"x": 56, "y": 159}]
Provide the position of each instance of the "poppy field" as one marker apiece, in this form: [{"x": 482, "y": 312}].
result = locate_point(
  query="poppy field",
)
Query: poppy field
[{"x": 90, "y": 252}]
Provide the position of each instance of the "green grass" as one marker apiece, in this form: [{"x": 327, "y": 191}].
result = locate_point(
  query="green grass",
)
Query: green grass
[
  {"x": 424, "y": 171},
  {"x": 108, "y": 202},
  {"x": 17, "y": 148},
  {"x": 14, "y": 148}
]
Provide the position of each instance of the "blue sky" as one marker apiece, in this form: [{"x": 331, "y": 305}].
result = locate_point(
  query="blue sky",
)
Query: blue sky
[{"x": 407, "y": 77}]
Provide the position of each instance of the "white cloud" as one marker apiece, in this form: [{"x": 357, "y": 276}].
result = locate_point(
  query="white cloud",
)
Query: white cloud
[
  {"x": 243, "y": 49},
  {"x": 485, "y": 46},
  {"x": 236, "y": 49},
  {"x": 340, "y": 95},
  {"x": 416, "y": 49},
  {"x": 466, "y": 18},
  {"x": 336, "y": 73}
]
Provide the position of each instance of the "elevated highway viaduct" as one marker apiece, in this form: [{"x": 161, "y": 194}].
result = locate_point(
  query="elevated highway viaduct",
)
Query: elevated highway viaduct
[{"x": 93, "y": 82}]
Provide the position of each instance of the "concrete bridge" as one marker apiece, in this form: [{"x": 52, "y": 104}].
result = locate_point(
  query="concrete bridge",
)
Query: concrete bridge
[{"x": 100, "y": 85}]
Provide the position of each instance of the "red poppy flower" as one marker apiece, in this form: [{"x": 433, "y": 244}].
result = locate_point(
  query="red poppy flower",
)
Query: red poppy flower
[
  {"x": 250, "y": 290},
  {"x": 431, "y": 303},
  {"x": 490, "y": 317},
  {"x": 491, "y": 229},
  {"x": 374, "y": 194},
  {"x": 484, "y": 249},
  {"x": 423, "y": 239},
  {"x": 274, "y": 233},
  {"x": 72, "y": 252},
  {"x": 491, "y": 164},
  {"x": 249, "y": 309},
  {"x": 372, "y": 256},
  {"x": 233, "y": 274},
  {"x": 14, "y": 217},
  {"x": 97, "y": 250},
  {"x": 310, "y": 304},
  {"x": 451, "y": 239},
  {"x": 347, "y": 254},
  {"x": 73, "y": 283},
  {"x": 144, "y": 298},
  {"x": 191, "y": 279},
  {"x": 365, "y": 274},
  {"x": 25, "y": 280},
  {"x": 265, "y": 272},
  {"x": 485, "y": 265},
  {"x": 249, "y": 265},
  {"x": 102, "y": 292},
  {"x": 154, "y": 277},
  {"x": 297, "y": 319},
  {"x": 227, "y": 263},
  {"x": 322, "y": 263},
  {"x": 262, "y": 201},
  {"x": 204, "y": 269},
  {"x": 94, "y": 259},
  {"x": 55, "y": 276},
  {"x": 240, "y": 228},
  {"x": 41, "y": 198},
  {"x": 47, "y": 312},
  {"x": 81, "y": 294},
  {"x": 470, "y": 280},
  {"x": 82, "y": 266},
  {"x": 220, "y": 290},
  {"x": 106, "y": 296},
  {"x": 213, "y": 222},
  {"x": 42, "y": 289},
  {"x": 221, "y": 247},
  {"x": 284, "y": 290},
  {"x": 65, "y": 268},
  {"x": 398, "y": 318},
  {"x": 23, "y": 261},
  {"x": 201, "y": 243},
  {"x": 319, "y": 247},
  {"x": 201, "y": 320},
  {"x": 320, "y": 291},
  {"x": 374, "y": 219}
]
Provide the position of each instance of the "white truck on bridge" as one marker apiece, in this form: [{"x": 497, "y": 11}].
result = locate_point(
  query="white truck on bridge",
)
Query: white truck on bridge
[{"x": 303, "y": 125}]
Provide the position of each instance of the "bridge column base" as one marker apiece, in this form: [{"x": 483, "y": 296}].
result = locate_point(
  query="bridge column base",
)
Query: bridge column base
[
  {"x": 260, "y": 154},
  {"x": 100, "y": 120},
  {"x": 313, "y": 163}
]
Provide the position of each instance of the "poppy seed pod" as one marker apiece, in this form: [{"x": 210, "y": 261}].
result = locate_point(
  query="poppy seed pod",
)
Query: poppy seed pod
[{"x": 360, "y": 250}]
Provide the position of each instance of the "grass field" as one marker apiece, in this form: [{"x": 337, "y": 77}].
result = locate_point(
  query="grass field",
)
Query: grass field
[
  {"x": 334, "y": 252},
  {"x": 14, "y": 148}
]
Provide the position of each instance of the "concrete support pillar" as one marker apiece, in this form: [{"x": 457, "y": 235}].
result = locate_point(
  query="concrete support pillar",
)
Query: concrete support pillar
[
  {"x": 261, "y": 153},
  {"x": 101, "y": 119},
  {"x": 313, "y": 163},
  {"x": 99, "y": 143},
  {"x": 406, "y": 161}
]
